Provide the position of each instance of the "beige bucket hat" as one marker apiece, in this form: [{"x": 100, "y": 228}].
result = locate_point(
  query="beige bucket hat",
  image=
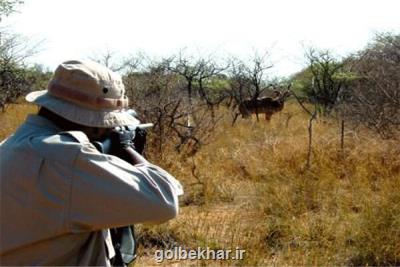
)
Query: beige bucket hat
[{"x": 86, "y": 93}]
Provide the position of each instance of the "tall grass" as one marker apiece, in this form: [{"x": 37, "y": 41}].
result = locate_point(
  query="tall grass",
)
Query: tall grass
[
  {"x": 253, "y": 191},
  {"x": 13, "y": 117},
  {"x": 250, "y": 188}
]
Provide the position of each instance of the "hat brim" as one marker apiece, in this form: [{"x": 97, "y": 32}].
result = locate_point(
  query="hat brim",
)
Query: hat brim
[{"x": 80, "y": 115}]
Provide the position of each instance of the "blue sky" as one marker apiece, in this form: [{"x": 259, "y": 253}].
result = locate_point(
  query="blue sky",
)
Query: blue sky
[{"x": 85, "y": 28}]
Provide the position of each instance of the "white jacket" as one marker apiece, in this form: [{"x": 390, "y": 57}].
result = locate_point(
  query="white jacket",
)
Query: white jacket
[{"x": 59, "y": 196}]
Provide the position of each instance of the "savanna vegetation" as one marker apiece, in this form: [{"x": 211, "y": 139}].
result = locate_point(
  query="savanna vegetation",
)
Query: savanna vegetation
[{"x": 317, "y": 185}]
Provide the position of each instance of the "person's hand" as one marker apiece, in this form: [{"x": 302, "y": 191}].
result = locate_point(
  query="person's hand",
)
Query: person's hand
[
  {"x": 122, "y": 138},
  {"x": 123, "y": 145}
]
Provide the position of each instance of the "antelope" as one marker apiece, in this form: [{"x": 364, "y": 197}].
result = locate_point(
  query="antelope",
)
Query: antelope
[{"x": 266, "y": 105}]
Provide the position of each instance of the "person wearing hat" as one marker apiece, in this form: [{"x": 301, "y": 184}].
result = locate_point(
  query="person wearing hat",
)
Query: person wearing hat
[{"x": 59, "y": 194}]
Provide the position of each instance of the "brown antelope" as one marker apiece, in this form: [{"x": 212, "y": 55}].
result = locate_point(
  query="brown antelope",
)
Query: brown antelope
[{"x": 266, "y": 105}]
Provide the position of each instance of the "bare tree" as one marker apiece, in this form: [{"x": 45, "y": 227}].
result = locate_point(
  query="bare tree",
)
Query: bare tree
[
  {"x": 373, "y": 98},
  {"x": 14, "y": 82},
  {"x": 213, "y": 96},
  {"x": 16, "y": 78},
  {"x": 156, "y": 92},
  {"x": 198, "y": 75},
  {"x": 328, "y": 78},
  {"x": 257, "y": 74},
  {"x": 153, "y": 95},
  {"x": 189, "y": 70},
  {"x": 313, "y": 115},
  {"x": 8, "y": 6},
  {"x": 113, "y": 61}
]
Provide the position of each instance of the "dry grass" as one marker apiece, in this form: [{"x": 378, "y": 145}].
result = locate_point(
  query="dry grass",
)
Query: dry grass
[
  {"x": 257, "y": 194},
  {"x": 13, "y": 117},
  {"x": 251, "y": 190}
]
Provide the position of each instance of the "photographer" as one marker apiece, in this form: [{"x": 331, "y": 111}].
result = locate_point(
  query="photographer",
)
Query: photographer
[{"x": 59, "y": 194}]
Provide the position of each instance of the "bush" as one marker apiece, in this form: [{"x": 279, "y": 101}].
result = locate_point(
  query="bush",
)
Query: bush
[{"x": 374, "y": 97}]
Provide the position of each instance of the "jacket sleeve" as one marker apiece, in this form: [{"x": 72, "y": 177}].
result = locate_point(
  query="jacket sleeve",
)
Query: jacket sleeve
[{"x": 109, "y": 192}]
